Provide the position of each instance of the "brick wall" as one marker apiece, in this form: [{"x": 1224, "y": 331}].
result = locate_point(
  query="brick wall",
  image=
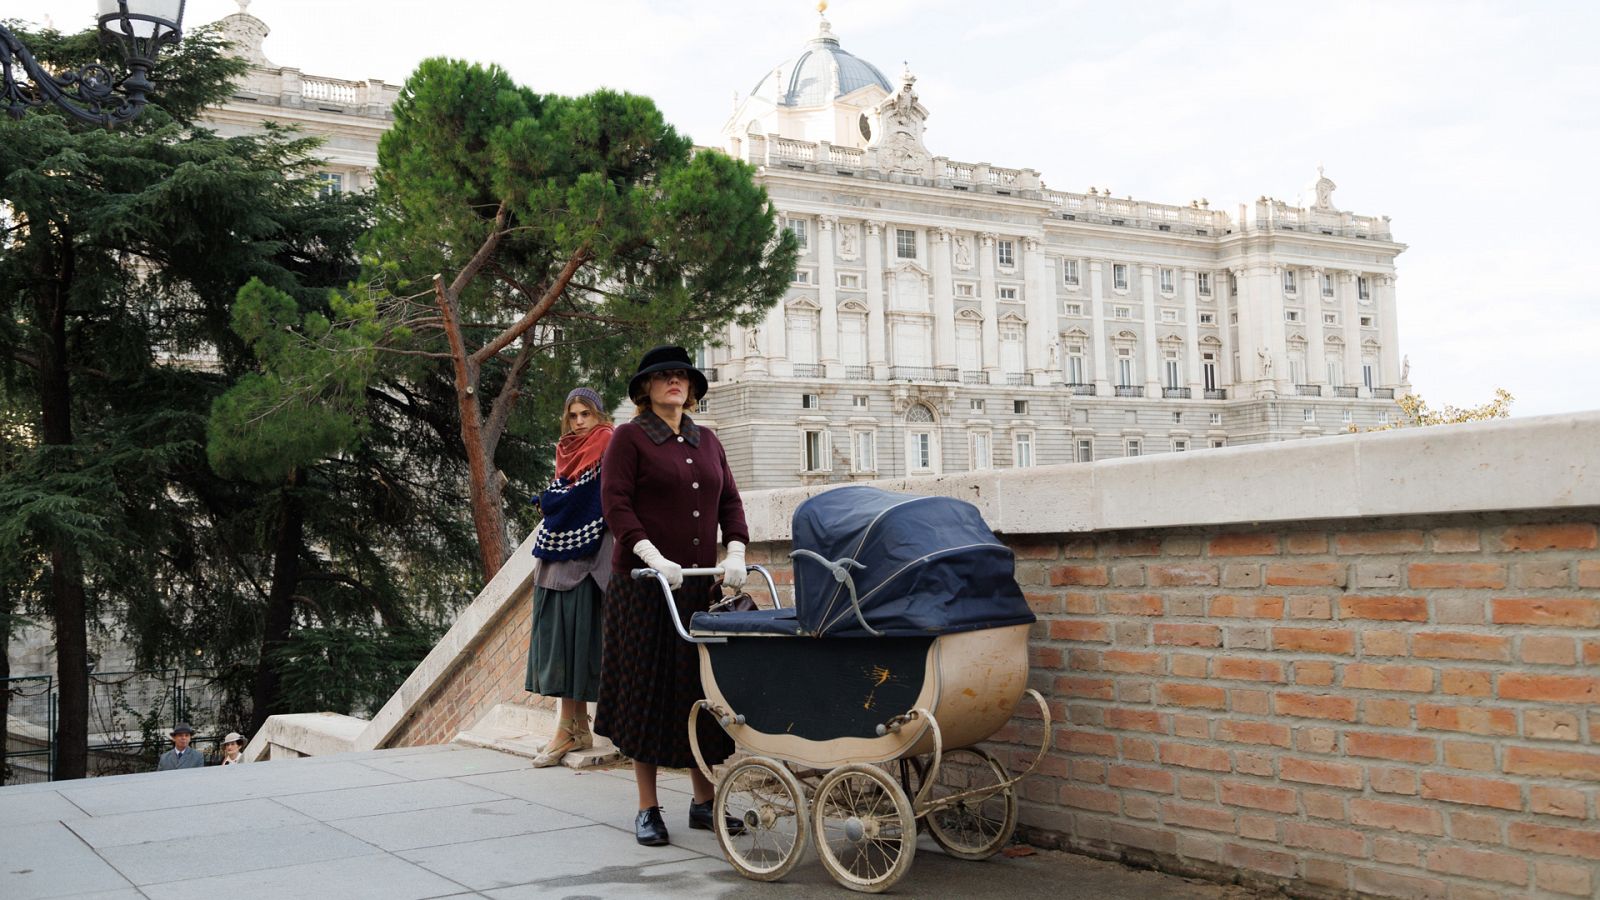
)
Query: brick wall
[{"x": 1402, "y": 707}]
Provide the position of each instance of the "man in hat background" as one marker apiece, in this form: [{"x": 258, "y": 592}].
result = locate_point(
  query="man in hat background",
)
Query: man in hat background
[{"x": 181, "y": 756}]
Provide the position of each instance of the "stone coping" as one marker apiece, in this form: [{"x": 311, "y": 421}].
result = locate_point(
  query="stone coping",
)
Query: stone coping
[{"x": 1541, "y": 462}]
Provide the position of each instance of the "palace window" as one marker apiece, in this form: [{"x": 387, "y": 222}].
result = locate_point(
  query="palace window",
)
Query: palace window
[
  {"x": 1172, "y": 366},
  {"x": 1085, "y": 450},
  {"x": 810, "y": 401},
  {"x": 802, "y": 233},
  {"x": 1124, "y": 367},
  {"x": 816, "y": 450},
  {"x": 1291, "y": 315},
  {"x": 1169, "y": 315},
  {"x": 802, "y": 276},
  {"x": 1363, "y": 288},
  {"x": 1132, "y": 447},
  {"x": 905, "y": 243},
  {"x": 1168, "y": 281},
  {"x": 1208, "y": 370},
  {"x": 1071, "y": 309},
  {"x": 1019, "y": 407},
  {"x": 1330, "y": 318},
  {"x": 966, "y": 289},
  {"x": 1347, "y": 417},
  {"x": 1075, "y": 366},
  {"x": 1069, "y": 272},
  {"x": 1123, "y": 312},
  {"x": 1288, "y": 281},
  {"x": 1007, "y": 293},
  {"x": 1208, "y": 318},
  {"x": 1218, "y": 442},
  {"x": 975, "y": 405},
  {"x": 1177, "y": 418},
  {"x": 1366, "y": 321},
  {"x": 1119, "y": 276},
  {"x": 1216, "y": 418},
  {"x": 1006, "y": 253},
  {"x": 1202, "y": 283},
  {"x": 332, "y": 184},
  {"x": 864, "y": 451},
  {"x": 849, "y": 281},
  {"x": 1180, "y": 445},
  {"x": 858, "y": 401},
  {"x": 1022, "y": 449},
  {"x": 1327, "y": 285},
  {"x": 981, "y": 445},
  {"x": 1308, "y": 415}
]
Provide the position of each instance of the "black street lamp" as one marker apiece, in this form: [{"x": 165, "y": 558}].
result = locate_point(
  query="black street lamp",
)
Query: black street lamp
[{"x": 92, "y": 93}]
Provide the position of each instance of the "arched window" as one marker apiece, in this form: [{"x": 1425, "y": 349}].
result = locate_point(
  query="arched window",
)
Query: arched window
[{"x": 922, "y": 441}]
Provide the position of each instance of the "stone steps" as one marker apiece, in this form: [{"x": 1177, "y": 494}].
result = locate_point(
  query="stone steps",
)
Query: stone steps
[{"x": 524, "y": 731}]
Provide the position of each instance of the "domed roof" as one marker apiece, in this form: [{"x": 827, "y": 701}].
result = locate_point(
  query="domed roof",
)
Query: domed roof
[{"x": 808, "y": 80}]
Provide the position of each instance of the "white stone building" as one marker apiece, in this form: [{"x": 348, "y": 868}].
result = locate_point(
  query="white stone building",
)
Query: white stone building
[{"x": 948, "y": 316}]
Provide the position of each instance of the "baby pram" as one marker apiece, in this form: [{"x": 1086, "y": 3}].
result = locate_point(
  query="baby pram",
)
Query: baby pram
[{"x": 858, "y": 707}]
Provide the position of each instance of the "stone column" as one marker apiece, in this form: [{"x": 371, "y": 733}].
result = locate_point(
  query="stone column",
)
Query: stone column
[
  {"x": 1097, "y": 317},
  {"x": 1249, "y": 338},
  {"x": 1152, "y": 349},
  {"x": 944, "y": 299},
  {"x": 1042, "y": 326},
  {"x": 1346, "y": 289},
  {"x": 828, "y": 297},
  {"x": 1388, "y": 333},
  {"x": 1316, "y": 345},
  {"x": 1191, "y": 329},
  {"x": 774, "y": 331},
  {"x": 873, "y": 249},
  {"x": 1226, "y": 376},
  {"x": 1266, "y": 302},
  {"x": 991, "y": 311}
]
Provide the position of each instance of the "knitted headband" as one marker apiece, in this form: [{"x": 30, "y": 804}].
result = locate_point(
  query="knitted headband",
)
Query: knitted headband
[{"x": 586, "y": 394}]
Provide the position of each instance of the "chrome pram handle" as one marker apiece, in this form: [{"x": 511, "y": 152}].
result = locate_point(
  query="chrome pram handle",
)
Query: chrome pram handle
[
  {"x": 841, "y": 573},
  {"x": 672, "y": 609}
]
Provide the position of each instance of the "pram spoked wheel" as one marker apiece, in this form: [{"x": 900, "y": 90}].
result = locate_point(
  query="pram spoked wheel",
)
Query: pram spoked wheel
[
  {"x": 768, "y": 800},
  {"x": 978, "y": 826},
  {"x": 866, "y": 833}
]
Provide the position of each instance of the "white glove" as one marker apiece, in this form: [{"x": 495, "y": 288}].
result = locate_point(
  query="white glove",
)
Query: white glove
[
  {"x": 733, "y": 573},
  {"x": 652, "y": 557}
]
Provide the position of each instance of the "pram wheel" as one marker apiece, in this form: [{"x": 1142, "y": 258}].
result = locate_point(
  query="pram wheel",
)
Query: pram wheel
[
  {"x": 865, "y": 831},
  {"x": 978, "y": 826},
  {"x": 768, "y": 799}
]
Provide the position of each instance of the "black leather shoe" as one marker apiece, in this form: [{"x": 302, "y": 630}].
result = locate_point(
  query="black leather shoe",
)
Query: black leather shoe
[
  {"x": 700, "y": 817},
  {"x": 648, "y": 828}
]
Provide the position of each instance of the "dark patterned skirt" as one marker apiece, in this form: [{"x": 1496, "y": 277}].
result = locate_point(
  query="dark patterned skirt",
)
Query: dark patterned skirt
[{"x": 650, "y": 677}]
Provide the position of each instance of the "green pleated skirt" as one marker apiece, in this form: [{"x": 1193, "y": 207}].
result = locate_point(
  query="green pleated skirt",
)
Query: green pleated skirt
[{"x": 564, "y": 647}]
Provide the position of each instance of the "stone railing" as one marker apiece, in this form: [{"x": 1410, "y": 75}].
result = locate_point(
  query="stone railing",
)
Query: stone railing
[
  {"x": 1275, "y": 215},
  {"x": 289, "y": 87},
  {"x": 774, "y": 150},
  {"x": 1106, "y": 210}
]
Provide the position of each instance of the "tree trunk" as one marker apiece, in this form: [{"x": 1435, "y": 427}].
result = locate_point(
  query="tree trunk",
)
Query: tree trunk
[
  {"x": 69, "y": 608},
  {"x": 5, "y": 685},
  {"x": 280, "y": 600},
  {"x": 488, "y": 511}
]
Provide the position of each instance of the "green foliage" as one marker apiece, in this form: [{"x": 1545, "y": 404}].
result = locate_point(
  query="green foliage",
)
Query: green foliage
[{"x": 353, "y": 668}]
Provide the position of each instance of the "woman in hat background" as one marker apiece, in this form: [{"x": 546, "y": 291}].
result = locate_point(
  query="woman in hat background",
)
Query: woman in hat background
[
  {"x": 574, "y": 550},
  {"x": 667, "y": 489},
  {"x": 232, "y": 745}
]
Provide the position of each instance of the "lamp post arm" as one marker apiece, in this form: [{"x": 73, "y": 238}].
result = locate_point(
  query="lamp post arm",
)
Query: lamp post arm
[{"x": 89, "y": 94}]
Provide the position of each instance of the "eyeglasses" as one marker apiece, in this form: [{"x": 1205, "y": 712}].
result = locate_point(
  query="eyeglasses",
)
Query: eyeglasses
[{"x": 670, "y": 374}]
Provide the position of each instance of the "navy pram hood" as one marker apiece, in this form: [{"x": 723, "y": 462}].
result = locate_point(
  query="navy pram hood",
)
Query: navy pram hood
[{"x": 926, "y": 566}]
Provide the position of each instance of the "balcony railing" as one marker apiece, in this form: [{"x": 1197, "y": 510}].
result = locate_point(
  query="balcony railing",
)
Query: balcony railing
[
  {"x": 858, "y": 373},
  {"x": 1177, "y": 393},
  {"x": 1346, "y": 391},
  {"x": 1129, "y": 390},
  {"x": 1081, "y": 389},
  {"x": 1383, "y": 393},
  {"x": 1216, "y": 393},
  {"x": 1016, "y": 378},
  {"x": 923, "y": 373},
  {"x": 711, "y": 373},
  {"x": 1308, "y": 390},
  {"x": 974, "y": 377},
  {"x": 807, "y": 370}
]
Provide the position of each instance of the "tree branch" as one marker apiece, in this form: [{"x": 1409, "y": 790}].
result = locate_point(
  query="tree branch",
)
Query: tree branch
[
  {"x": 551, "y": 294},
  {"x": 500, "y": 412}
]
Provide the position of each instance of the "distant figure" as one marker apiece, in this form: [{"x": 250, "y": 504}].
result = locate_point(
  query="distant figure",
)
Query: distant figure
[
  {"x": 232, "y": 747},
  {"x": 181, "y": 756}
]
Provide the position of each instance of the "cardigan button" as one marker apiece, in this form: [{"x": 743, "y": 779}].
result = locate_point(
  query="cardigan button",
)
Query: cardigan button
[
  {"x": 680, "y": 438},
  {"x": 697, "y": 542},
  {"x": 689, "y": 461},
  {"x": 695, "y": 485},
  {"x": 697, "y": 514}
]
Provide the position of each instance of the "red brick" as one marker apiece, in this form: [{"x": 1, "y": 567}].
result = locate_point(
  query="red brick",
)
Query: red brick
[
  {"x": 1314, "y": 706},
  {"x": 1237, "y": 669},
  {"x": 1549, "y": 650},
  {"x": 1259, "y": 828},
  {"x": 1568, "y": 536},
  {"x": 1133, "y": 604},
  {"x": 1199, "y": 695},
  {"x": 1314, "y": 640},
  {"x": 1479, "y": 828},
  {"x": 1550, "y": 725},
  {"x": 1343, "y": 841},
  {"x": 1455, "y": 540},
  {"x": 1250, "y": 703},
  {"x": 1255, "y": 859},
  {"x": 1188, "y": 816},
  {"x": 1140, "y": 779},
  {"x": 1383, "y": 643},
  {"x": 1188, "y": 635},
  {"x": 1191, "y": 726},
  {"x": 1310, "y": 771},
  {"x": 1589, "y": 573},
  {"x": 1470, "y": 719},
  {"x": 1473, "y": 791},
  {"x": 1079, "y": 630},
  {"x": 1484, "y": 864},
  {"x": 1129, "y": 662},
  {"x": 1087, "y": 742},
  {"x": 1457, "y": 575},
  {"x": 1393, "y": 781},
  {"x": 1397, "y": 852},
  {"x": 1452, "y": 645},
  {"x": 1090, "y": 576},
  {"x": 1244, "y": 545},
  {"x": 1379, "y": 542},
  {"x": 1244, "y": 732},
  {"x": 1388, "y": 678},
  {"x": 1552, "y": 801},
  {"x": 1308, "y": 672},
  {"x": 1473, "y": 755},
  {"x": 1383, "y": 883},
  {"x": 1247, "y": 763},
  {"x": 1188, "y": 665},
  {"x": 1136, "y": 720},
  {"x": 1465, "y": 683},
  {"x": 1553, "y": 688},
  {"x": 1089, "y": 798},
  {"x": 1080, "y": 604},
  {"x": 1561, "y": 612},
  {"x": 1391, "y": 609},
  {"x": 1561, "y": 878},
  {"x": 1306, "y": 574},
  {"x": 1191, "y": 757},
  {"x": 1396, "y": 816},
  {"x": 1303, "y": 542},
  {"x": 1231, "y": 606},
  {"x": 1031, "y": 548},
  {"x": 1197, "y": 787},
  {"x": 1184, "y": 575},
  {"x": 1390, "y": 746},
  {"x": 1555, "y": 763},
  {"x": 1092, "y": 688},
  {"x": 1258, "y": 796},
  {"x": 1386, "y": 713},
  {"x": 1310, "y": 606}
]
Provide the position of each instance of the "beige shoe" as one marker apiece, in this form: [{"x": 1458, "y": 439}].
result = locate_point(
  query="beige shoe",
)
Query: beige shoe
[
  {"x": 566, "y": 740},
  {"x": 583, "y": 734}
]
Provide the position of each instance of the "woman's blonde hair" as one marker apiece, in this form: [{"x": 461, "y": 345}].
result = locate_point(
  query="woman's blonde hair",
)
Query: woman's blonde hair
[{"x": 566, "y": 426}]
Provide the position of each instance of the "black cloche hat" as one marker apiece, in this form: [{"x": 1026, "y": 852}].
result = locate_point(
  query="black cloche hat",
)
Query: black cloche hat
[{"x": 661, "y": 359}]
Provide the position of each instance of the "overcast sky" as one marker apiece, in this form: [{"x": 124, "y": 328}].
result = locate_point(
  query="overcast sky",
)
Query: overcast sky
[{"x": 1475, "y": 126}]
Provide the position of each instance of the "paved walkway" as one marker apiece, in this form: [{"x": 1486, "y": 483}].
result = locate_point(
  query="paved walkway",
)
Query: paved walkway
[{"x": 444, "y": 821}]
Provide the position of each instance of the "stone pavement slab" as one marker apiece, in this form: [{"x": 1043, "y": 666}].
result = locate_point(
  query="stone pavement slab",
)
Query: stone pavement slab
[{"x": 434, "y": 822}]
